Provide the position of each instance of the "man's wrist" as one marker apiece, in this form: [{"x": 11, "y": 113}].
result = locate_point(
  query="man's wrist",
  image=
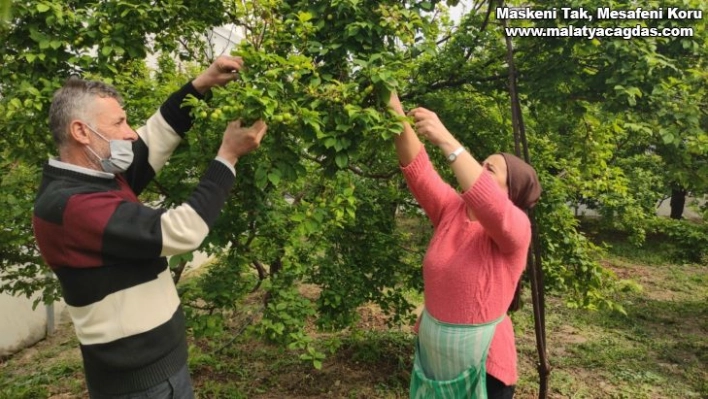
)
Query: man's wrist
[
  {"x": 228, "y": 156},
  {"x": 228, "y": 163},
  {"x": 200, "y": 85}
]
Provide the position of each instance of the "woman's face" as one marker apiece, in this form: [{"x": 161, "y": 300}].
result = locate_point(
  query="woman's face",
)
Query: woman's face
[{"x": 496, "y": 165}]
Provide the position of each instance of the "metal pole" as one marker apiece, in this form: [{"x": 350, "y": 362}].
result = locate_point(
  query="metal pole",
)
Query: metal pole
[
  {"x": 50, "y": 319},
  {"x": 50, "y": 313}
]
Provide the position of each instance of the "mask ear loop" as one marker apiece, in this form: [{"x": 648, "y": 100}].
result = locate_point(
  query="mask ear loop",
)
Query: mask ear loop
[
  {"x": 94, "y": 152},
  {"x": 100, "y": 160},
  {"x": 97, "y": 133}
]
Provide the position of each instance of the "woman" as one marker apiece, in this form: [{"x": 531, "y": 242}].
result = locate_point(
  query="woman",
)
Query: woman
[{"x": 465, "y": 345}]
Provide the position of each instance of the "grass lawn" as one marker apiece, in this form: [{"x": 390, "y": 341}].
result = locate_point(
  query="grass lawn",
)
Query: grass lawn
[{"x": 658, "y": 350}]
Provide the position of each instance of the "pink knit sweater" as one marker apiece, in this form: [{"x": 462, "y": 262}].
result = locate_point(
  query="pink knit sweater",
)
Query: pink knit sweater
[{"x": 471, "y": 268}]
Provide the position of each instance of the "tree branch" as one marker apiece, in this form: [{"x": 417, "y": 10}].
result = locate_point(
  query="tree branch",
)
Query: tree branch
[
  {"x": 471, "y": 48},
  {"x": 383, "y": 175},
  {"x": 356, "y": 169},
  {"x": 262, "y": 274}
]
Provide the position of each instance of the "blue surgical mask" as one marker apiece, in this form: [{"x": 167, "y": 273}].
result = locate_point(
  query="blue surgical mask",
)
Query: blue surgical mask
[{"x": 121, "y": 154}]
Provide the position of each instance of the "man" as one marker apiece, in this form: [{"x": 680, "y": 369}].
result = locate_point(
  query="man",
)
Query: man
[{"x": 108, "y": 250}]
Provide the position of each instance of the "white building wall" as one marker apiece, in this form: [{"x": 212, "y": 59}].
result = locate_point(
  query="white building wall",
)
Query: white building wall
[
  {"x": 223, "y": 39},
  {"x": 21, "y": 326}
]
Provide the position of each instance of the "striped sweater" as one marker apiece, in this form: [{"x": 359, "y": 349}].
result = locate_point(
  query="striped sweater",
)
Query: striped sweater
[
  {"x": 109, "y": 251},
  {"x": 471, "y": 268}
]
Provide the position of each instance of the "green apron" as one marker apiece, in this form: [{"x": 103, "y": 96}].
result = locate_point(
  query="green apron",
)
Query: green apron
[{"x": 450, "y": 359}]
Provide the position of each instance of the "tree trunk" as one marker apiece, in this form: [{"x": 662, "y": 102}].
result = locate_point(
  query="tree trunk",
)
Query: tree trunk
[
  {"x": 534, "y": 265},
  {"x": 678, "y": 202}
]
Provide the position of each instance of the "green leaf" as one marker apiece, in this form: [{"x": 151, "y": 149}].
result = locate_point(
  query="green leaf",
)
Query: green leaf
[
  {"x": 274, "y": 177},
  {"x": 427, "y": 6},
  {"x": 668, "y": 138},
  {"x": 342, "y": 160},
  {"x": 330, "y": 142},
  {"x": 304, "y": 16}
]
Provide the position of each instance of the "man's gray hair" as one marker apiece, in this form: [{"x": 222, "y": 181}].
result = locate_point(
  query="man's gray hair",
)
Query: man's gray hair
[{"x": 74, "y": 101}]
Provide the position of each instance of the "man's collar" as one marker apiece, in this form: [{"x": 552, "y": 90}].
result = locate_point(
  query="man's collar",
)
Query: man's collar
[{"x": 55, "y": 162}]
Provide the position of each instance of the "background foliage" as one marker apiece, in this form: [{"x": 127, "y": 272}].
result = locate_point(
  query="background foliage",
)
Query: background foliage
[{"x": 614, "y": 125}]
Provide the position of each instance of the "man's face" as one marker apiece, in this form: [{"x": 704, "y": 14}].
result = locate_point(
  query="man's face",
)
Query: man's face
[{"x": 110, "y": 120}]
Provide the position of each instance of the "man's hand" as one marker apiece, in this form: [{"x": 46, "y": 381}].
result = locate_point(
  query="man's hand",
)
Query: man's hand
[
  {"x": 239, "y": 141},
  {"x": 223, "y": 70}
]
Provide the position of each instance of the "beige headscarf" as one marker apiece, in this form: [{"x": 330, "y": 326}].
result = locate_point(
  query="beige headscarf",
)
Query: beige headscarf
[{"x": 524, "y": 187}]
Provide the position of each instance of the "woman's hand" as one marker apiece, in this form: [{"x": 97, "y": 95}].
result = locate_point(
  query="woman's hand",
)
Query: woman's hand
[{"x": 428, "y": 125}]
